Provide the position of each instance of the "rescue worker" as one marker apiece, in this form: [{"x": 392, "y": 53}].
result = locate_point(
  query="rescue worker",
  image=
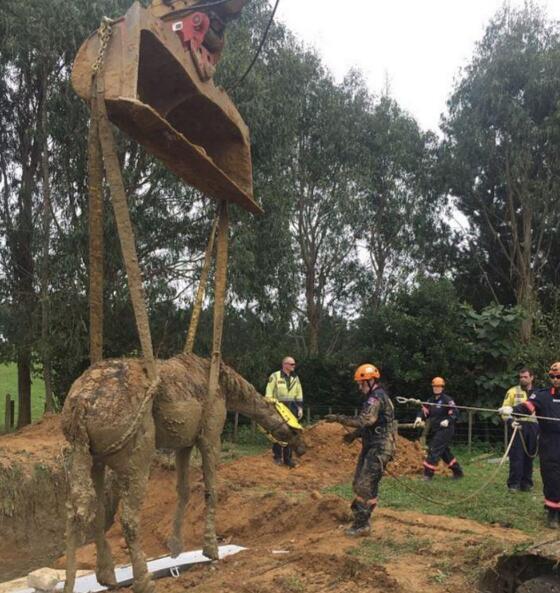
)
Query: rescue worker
[
  {"x": 524, "y": 445},
  {"x": 546, "y": 402},
  {"x": 375, "y": 425},
  {"x": 441, "y": 416},
  {"x": 284, "y": 386}
]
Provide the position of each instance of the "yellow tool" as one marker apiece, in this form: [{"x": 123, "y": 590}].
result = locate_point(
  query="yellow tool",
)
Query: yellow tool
[{"x": 288, "y": 417}]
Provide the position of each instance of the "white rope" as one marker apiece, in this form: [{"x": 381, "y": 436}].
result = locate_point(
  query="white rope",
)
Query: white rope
[{"x": 411, "y": 400}]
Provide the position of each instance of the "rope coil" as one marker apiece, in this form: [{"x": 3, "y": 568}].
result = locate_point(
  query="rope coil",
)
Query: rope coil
[{"x": 470, "y": 496}]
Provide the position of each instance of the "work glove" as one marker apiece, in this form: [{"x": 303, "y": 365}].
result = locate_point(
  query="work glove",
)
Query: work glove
[
  {"x": 418, "y": 423},
  {"x": 332, "y": 418},
  {"x": 299, "y": 413},
  {"x": 515, "y": 424},
  {"x": 505, "y": 411},
  {"x": 349, "y": 437},
  {"x": 444, "y": 423}
]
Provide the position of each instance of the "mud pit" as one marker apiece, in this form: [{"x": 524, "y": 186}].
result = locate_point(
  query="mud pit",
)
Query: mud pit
[{"x": 273, "y": 509}]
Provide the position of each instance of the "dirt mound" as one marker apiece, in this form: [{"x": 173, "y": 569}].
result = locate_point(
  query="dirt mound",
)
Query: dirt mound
[
  {"x": 293, "y": 530},
  {"x": 41, "y": 442},
  {"x": 267, "y": 499}
]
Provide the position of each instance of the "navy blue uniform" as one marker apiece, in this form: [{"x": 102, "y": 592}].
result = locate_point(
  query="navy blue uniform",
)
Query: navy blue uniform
[
  {"x": 546, "y": 402},
  {"x": 440, "y": 437}
]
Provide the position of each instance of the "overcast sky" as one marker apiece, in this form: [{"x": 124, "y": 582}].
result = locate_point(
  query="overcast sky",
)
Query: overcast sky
[{"x": 418, "y": 45}]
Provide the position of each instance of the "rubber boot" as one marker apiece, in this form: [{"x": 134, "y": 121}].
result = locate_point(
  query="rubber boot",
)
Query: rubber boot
[
  {"x": 457, "y": 471},
  {"x": 361, "y": 525},
  {"x": 552, "y": 519}
]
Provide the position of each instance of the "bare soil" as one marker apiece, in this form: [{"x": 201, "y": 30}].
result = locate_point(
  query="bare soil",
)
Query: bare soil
[{"x": 293, "y": 530}]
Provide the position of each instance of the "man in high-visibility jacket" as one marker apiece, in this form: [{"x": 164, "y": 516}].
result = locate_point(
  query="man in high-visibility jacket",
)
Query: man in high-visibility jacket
[
  {"x": 284, "y": 386},
  {"x": 524, "y": 446},
  {"x": 545, "y": 403}
]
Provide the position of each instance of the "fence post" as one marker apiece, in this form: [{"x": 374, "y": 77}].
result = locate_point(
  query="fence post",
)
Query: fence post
[
  {"x": 253, "y": 431},
  {"x": 308, "y": 414},
  {"x": 8, "y": 422},
  {"x": 505, "y": 436},
  {"x": 355, "y": 411},
  {"x": 469, "y": 437},
  {"x": 235, "y": 426},
  {"x": 330, "y": 409}
]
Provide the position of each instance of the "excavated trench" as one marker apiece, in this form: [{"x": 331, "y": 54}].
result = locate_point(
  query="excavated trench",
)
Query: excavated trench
[{"x": 533, "y": 571}]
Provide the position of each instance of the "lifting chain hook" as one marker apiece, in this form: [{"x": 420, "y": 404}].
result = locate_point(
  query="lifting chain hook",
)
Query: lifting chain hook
[{"x": 104, "y": 32}]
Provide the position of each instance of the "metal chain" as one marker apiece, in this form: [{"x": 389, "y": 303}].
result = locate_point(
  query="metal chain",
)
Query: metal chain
[{"x": 104, "y": 33}]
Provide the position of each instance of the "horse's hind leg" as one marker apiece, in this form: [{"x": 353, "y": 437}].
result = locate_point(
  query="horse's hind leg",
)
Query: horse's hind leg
[
  {"x": 210, "y": 453},
  {"x": 79, "y": 507},
  {"x": 182, "y": 459},
  {"x": 133, "y": 481},
  {"x": 105, "y": 567}
]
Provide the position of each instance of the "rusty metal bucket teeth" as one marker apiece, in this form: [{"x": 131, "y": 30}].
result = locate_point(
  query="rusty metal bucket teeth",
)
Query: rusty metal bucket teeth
[{"x": 154, "y": 93}]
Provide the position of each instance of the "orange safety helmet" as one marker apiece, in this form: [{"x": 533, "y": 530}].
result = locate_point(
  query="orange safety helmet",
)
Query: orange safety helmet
[
  {"x": 438, "y": 382},
  {"x": 554, "y": 367},
  {"x": 365, "y": 372}
]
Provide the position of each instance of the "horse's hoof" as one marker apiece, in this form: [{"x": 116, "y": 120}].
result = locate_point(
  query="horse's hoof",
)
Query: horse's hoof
[
  {"x": 106, "y": 578},
  {"x": 211, "y": 551},
  {"x": 144, "y": 585},
  {"x": 175, "y": 546}
]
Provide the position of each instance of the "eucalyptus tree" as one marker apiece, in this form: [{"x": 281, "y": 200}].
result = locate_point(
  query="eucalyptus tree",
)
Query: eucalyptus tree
[
  {"x": 501, "y": 151},
  {"x": 402, "y": 230}
]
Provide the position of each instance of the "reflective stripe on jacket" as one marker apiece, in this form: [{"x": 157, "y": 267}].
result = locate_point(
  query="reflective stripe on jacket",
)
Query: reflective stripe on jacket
[
  {"x": 284, "y": 388},
  {"x": 515, "y": 396}
]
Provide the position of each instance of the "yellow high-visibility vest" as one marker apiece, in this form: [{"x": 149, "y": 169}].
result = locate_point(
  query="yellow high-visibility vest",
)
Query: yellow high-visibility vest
[
  {"x": 515, "y": 396},
  {"x": 284, "y": 389}
]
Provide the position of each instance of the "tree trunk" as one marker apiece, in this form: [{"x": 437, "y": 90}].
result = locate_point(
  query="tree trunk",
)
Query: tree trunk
[
  {"x": 24, "y": 386},
  {"x": 313, "y": 313},
  {"x": 525, "y": 293},
  {"x": 45, "y": 355}
]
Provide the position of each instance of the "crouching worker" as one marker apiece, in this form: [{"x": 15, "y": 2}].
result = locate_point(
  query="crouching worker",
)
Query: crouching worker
[
  {"x": 441, "y": 415},
  {"x": 375, "y": 425}
]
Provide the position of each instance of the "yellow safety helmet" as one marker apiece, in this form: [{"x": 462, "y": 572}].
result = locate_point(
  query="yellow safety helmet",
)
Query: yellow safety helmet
[
  {"x": 365, "y": 372},
  {"x": 438, "y": 382}
]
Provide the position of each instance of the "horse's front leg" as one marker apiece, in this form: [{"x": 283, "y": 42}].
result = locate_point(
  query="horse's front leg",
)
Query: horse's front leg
[{"x": 210, "y": 446}]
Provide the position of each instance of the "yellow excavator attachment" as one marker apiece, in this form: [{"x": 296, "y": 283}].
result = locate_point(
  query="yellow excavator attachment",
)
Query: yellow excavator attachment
[
  {"x": 287, "y": 416},
  {"x": 158, "y": 84}
]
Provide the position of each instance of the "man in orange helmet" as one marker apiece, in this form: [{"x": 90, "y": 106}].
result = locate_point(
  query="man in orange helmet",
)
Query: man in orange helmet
[
  {"x": 375, "y": 425},
  {"x": 441, "y": 414},
  {"x": 546, "y": 403}
]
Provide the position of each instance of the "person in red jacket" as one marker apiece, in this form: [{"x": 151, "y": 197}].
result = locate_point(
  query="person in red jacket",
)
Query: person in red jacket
[{"x": 441, "y": 417}]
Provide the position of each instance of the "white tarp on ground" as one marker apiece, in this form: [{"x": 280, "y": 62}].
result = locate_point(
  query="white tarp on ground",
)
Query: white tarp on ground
[{"x": 160, "y": 567}]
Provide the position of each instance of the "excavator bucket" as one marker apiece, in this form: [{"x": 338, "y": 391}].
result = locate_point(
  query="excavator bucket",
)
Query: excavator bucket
[{"x": 159, "y": 90}]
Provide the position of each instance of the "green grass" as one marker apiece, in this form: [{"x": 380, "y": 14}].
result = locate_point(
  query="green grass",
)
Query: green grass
[
  {"x": 8, "y": 384},
  {"x": 375, "y": 551},
  {"x": 494, "y": 505}
]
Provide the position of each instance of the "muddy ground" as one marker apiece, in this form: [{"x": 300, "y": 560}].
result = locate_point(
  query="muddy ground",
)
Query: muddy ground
[{"x": 292, "y": 526}]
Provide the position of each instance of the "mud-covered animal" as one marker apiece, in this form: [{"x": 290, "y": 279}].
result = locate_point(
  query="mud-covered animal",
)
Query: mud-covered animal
[{"x": 109, "y": 419}]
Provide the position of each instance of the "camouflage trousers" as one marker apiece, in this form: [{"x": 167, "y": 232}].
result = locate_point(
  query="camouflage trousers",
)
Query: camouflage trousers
[{"x": 369, "y": 469}]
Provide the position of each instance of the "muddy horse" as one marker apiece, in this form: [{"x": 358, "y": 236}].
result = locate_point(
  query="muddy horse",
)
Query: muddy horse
[{"x": 112, "y": 420}]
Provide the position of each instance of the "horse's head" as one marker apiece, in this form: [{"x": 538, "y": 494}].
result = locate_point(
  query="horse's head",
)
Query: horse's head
[{"x": 285, "y": 428}]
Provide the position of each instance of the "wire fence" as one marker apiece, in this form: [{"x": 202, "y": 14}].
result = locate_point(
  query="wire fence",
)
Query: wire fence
[{"x": 471, "y": 428}]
